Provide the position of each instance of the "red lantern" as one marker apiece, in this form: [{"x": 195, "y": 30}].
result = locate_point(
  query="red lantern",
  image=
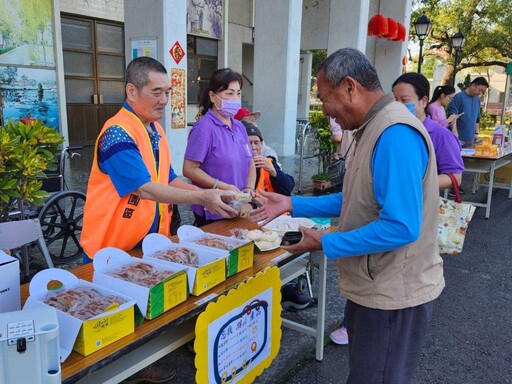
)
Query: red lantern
[
  {"x": 401, "y": 33},
  {"x": 392, "y": 29},
  {"x": 378, "y": 26}
]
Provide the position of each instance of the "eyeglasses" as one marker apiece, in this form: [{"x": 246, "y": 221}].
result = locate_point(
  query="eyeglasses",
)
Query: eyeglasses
[{"x": 255, "y": 142}]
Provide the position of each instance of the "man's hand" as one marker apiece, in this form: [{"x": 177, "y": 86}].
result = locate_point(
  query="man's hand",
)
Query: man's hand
[
  {"x": 311, "y": 241},
  {"x": 274, "y": 204},
  {"x": 214, "y": 200}
]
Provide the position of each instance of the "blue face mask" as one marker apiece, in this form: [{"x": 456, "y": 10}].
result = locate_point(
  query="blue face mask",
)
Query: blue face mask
[
  {"x": 229, "y": 108},
  {"x": 410, "y": 107}
]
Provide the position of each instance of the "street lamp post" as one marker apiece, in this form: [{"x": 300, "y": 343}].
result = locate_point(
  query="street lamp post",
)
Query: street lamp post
[
  {"x": 422, "y": 27},
  {"x": 458, "y": 41}
]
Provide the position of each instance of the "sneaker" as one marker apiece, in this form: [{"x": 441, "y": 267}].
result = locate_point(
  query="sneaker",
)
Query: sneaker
[
  {"x": 340, "y": 336},
  {"x": 158, "y": 372},
  {"x": 293, "y": 298}
]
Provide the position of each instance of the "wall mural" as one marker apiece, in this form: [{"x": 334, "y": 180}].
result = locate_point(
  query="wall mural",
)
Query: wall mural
[
  {"x": 205, "y": 18},
  {"x": 26, "y": 33},
  {"x": 29, "y": 93},
  {"x": 28, "y": 87}
]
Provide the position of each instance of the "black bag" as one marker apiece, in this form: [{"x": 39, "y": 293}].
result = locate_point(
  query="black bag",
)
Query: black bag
[{"x": 336, "y": 170}]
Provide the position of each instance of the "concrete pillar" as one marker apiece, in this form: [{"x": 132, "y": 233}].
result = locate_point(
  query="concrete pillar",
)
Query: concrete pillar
[
  {"x": 168, "y": 23},
  {"x": 347, "y": 29},
  {"x": 306, "y": 62},
  {"x": 276, "y": 71},
  {"x": 59, "y": 68},
  {"x": 388, "y": 54}
]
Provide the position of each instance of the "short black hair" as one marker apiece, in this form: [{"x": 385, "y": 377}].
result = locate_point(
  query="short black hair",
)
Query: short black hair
[
  {"x": 139, "y": 68},
  {"x": 480, "y": 81}
]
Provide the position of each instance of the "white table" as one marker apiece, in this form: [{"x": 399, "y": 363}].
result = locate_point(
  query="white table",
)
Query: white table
[{"x": 487, "y": 165}]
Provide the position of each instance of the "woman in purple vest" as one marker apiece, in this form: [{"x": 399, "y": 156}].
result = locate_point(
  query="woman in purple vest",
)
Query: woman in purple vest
[
  {"x": 412, "y": 89},
  {"x": 218, "y": 153}
]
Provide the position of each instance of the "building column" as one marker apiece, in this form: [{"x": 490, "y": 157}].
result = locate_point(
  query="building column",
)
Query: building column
[
  {"x": 347, "y": 29},
  {"x": 389, "y": 54},
  {"x": 276, "y": 71},
  {"x": 306, "y": 62},
  {"x": 168, "y": 24}
]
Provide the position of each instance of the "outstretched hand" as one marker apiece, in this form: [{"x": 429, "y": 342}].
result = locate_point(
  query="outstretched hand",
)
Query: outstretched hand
[
  {"x": 274, "y": 204},
  {"x": 214, "y": 200}
]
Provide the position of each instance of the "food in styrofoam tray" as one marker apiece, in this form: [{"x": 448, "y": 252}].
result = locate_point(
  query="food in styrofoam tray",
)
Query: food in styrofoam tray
[
  {"x": 284, "y": 224},
  {"x": 255, "y": 234},
  {"x": 263, "y": 240},
  {"x": 82, "y": 302},
  {"x": 179, "y": 255},
  {"x": 215, "y": 242},
  {"x": 141, "y": 274}
]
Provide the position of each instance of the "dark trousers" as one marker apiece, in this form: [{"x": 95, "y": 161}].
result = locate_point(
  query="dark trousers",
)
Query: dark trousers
[{"x": 385, "y": 345}]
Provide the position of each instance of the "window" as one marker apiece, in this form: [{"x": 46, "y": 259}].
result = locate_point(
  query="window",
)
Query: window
[{"x": 201, "y": 63}]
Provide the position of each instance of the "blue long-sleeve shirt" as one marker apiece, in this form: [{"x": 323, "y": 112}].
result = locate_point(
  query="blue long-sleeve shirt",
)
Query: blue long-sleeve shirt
[{"x": 399, "y": 162}]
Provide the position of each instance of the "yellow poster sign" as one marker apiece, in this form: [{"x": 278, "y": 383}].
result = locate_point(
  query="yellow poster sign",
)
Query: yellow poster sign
[{"x": 238, "y": 336}]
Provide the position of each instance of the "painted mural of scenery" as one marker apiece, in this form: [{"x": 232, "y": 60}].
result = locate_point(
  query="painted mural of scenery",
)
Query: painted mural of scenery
[
  {"x": 26, "y": 34},
  {"x": 29, "y": 93},
  {"x": 205, "y": 18}
]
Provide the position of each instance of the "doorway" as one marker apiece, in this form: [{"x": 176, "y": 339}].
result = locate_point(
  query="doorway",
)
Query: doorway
[{"x": 94, "y": 66}]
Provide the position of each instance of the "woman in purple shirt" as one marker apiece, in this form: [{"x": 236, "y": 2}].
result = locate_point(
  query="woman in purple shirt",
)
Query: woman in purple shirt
[
  {"x": 412, "y": 89},
  {"x": 218, "y": 153}
]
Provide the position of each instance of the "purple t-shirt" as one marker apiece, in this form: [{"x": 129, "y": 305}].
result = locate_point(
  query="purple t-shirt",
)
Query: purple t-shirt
[
  {"x": 446, "y": 147},
  {"x": 438, "y": 114},
  {"x": 224, "y": 154}
]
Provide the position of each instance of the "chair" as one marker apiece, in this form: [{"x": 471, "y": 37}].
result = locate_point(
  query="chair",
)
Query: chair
[{"x": 15, "y": 234}]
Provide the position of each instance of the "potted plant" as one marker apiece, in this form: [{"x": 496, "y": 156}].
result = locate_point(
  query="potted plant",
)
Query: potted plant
[
  {"x": 26, "y": 152},
  {"x": 327, "y": 149}
]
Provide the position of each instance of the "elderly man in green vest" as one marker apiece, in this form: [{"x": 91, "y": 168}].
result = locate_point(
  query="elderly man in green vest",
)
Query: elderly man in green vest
[{"x": 385, "y": 247}]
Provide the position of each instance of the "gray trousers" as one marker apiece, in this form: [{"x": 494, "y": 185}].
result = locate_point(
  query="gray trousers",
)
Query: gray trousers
[{"x": 384, "y": 346}]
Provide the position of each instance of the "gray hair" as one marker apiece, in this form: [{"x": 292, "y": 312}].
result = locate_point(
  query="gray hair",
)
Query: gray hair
[
  {"x": 350, "y": 62},
  {"x": 139, "y": 68}
]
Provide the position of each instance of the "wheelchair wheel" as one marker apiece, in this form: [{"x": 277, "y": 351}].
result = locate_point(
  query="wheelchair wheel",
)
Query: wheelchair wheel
[{"x": 61, "y": 221}]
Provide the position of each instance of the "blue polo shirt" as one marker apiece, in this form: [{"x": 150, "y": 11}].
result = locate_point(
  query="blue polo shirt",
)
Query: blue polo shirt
[
  {"x": 470, "y": 105},
  {"x": 397, "y": 187}
]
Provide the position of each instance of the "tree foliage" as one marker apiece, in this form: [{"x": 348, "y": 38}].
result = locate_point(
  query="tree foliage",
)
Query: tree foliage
[{"x": 486, "y": 24}]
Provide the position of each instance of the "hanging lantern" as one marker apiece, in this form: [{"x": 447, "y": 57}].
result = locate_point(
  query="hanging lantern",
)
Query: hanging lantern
[
  {"x": 401, "y": 33},
  {"x": 392, "y": 29},
  {"x": 378, "y": 26}
]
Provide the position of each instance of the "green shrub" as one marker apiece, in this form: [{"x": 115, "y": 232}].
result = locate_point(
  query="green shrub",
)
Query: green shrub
[
  {"x": 323, "y": 135},
  {"x": 26, "y": 151}
]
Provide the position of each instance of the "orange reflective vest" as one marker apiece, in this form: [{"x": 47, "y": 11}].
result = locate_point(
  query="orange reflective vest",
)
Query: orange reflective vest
[
  {"x": 264, "y": 179},
  {"x": 122, "y": 222}
]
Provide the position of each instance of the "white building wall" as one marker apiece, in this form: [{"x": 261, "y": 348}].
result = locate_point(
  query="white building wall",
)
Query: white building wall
[
  {"x": 165, "y": 21},
  {"x": 387, "y": 55},
  {"x": 315, "y": 24},
  {"x": 276, "y": 71},
  {"x": 103, "y": 9}
]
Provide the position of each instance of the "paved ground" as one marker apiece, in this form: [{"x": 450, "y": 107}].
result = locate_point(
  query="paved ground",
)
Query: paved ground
[{"x": 470, "y": 337}]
